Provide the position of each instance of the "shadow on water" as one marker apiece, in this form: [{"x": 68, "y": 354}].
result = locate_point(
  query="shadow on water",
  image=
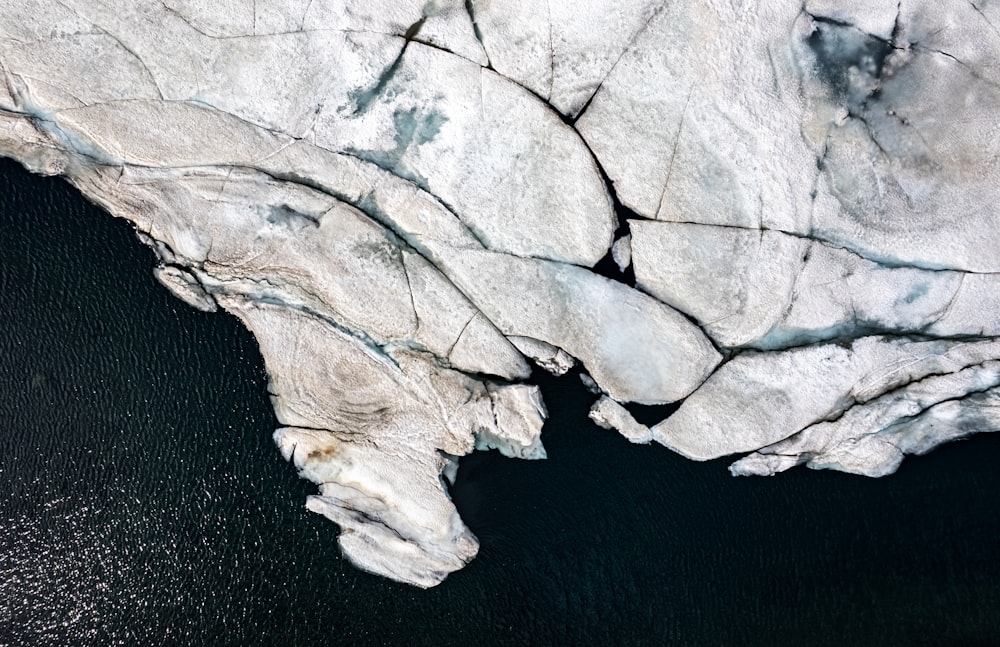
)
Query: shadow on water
[{"x": 146, "y": 504}]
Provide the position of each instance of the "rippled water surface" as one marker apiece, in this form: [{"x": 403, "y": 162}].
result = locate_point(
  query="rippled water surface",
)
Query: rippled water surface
[{"x": 143, "y": 501}]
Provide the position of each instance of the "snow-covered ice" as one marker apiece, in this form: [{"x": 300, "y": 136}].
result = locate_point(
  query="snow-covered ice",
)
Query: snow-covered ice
[{"x": 405, "y": 203}]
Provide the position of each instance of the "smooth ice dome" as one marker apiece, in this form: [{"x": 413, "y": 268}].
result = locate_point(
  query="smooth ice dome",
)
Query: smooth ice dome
[{"x": 405, "y": 202}]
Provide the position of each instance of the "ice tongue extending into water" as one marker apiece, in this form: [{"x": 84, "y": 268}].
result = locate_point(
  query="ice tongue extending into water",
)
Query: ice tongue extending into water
[{"x": 406, "y": 203}]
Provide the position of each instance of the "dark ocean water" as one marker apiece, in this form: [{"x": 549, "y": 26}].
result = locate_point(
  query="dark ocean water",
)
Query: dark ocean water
[{"x": 144, "y": 503}]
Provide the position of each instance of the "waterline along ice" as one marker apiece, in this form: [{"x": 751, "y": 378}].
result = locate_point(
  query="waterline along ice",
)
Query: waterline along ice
[{"x": 405, "y": 203}]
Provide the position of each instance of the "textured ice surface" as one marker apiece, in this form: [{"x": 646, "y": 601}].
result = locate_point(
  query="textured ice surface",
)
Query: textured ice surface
[{"x": 405, "y": 201}]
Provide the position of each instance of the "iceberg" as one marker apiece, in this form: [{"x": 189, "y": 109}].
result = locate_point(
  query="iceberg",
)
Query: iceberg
[{"x": 783, "y": 219}]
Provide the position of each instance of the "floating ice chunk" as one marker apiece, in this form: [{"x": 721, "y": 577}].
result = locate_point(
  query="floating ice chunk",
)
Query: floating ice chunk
[
  {"x": 592, "y": 386},
  {"x": 609, "y": 414},
  {"x": 621, "y": 252}
]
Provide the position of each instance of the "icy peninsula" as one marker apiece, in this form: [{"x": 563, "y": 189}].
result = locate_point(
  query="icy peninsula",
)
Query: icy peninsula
[{"x": 783, "y": 216}]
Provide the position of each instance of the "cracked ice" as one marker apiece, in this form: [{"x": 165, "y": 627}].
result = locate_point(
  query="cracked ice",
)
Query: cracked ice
[{"x": 405, "y": 201}]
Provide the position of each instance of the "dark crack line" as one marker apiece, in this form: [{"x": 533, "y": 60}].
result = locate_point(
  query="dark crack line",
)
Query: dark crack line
[
  {"x": 365, "y": 98},
  {"x": 897, "y": 26},
  {"x": 856, "y": 328},
  {"x": 187, "y": 272},
  {"x": 625, "y": 50},
  {"x": 874, "y": 401},
  {"x": 464, "y": 328},
  {"x": 984, "y": 17},
  {"x": 409, "y": 286},
  {"x": 471, "y": 11},
  {"x": 820, "y": 169},
  {"x": 971, "y": 70},
  {"x": 858, "y": 116},
  {"x": 848, "y": 342},
  {"x": 830, "y": 244},
  {"x": 137, "y": 57},
  {"x": 552, "y": 54},
  {"x": 673, "y": 150},
  {"x": 834, "y": 22},
  {"x": 888, "y": 428},
  {"x": 968, "y": 394},
  {"x": 343, "y": 435},
  {"x": 951, "y": 304},
  {"x": 305, "y": 13},
  {"x": 441, "y": 48}
]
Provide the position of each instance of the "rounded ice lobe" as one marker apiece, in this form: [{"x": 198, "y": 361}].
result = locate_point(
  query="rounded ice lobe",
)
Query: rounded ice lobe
[{"x": 411, "y": 203}]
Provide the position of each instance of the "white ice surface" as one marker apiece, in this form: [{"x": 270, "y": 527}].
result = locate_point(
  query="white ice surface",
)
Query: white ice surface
[{"x": 404, "y": 200}]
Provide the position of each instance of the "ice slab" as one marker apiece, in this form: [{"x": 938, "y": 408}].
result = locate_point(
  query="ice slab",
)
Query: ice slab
[
  {"x": 611, "y": 415},
  {"x": 405, "y": 201},
  {"x": 759, "y": 398}
]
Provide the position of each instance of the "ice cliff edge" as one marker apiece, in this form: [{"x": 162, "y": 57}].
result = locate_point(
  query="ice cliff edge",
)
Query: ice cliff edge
[{"x": 405, "y": 203}]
